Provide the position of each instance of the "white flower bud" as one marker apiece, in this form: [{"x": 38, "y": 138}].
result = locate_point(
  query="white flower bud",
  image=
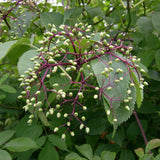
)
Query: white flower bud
[
  {"x": 58, "y": 115},
  {"x": 83, "y": 118},
  {"x": 108, "y": 112},
  {"x": 87, "y": 130},
  {"x": 56, "y": 129},
  {"x": 65, "y": 115},
  {"x": 114, "y": 120},
  {"x": 95, "y": 96},
  {"x": 84, "y": 108},
  {"x": 81, "y": 126},
  {"x": 68, "y": 124},
  {"x": 72, "y": 134},
  {"x": 127, "y": 108},
  {"x": 109, "y": 88},
  {"x": 51, "y": 111},
  {"x": 63, "y": 136}
]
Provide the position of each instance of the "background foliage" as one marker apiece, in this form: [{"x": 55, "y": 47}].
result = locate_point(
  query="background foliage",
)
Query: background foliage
[{"x": 135, "y": 22}]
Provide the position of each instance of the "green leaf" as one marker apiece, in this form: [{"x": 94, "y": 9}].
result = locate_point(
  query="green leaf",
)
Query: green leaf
[
  {"x": 96, "y": 158},
  {"x": 157, "y": 157},
  {"x": 147, "y": 157},
  {"x": 41, "y": 140},
  {"x": 73, "y": 156},
  {"x": 4, "y": 155},
  {"x": 72, "y": 14},
  {"x": 139, "y": 152},
  {"x": 52, "y": 18},
  {"x": 24, "y": 130},
  {"x": 5, "y": 136},
  {"x": 133, "y": 130},
  {"x": 48, "y": 152},
  {"x": 4, "y": 78},
  {"x": 126, "y": 155},
  {"x": 8, "y": 89},
  {"x": 121, "y": 113},
  {"x": 4, "y": 47},
  {"x": 64, "y": 82},
  {"x": 139, "y": 92},
  {"x": 96, "y": 37},
  {"x": 119, "y": 89},
  {"x": 97, "y": 129},
  {"x": 156, "y": 21},
  {"x": 2, "y": 96},
  {"x": 108, "y": 155},
  {"x": 155, "y": 75},
  {"x": 94, "y": 11},
  {"x": 24, "y": 61},
  {"x": 118, "y": 138},
  {"x": 43, "y": 118},
  {"x": 58, "y": 142},
  {"x": 147, "y": 57},
  {"x": 144, "y": 24},
  {"x": 21, "y": 144},
  {"x": 17, "y": 49},
  {"x": 152, "y": 144},
  {"x": 85, "y": 150},
  {"x": 157, "y": 59}
]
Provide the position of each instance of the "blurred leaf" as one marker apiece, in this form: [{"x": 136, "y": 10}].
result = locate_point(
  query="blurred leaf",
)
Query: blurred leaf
[
  {"x": 73, "y": 156},
  {"x": 144, "y": 24},
  {"x": 24, "y": 61},
  {"x": 24, "y": 130},
  {"x": 85, "y": 150},
  {"x": 4, "y": 155},
  {"x": 118, "y": 137},
  {"x": 2, "y": 96},
  {"x": 133, "y": 130},
  {"x": 72, "y": 14},
  {"x": 20, "y": 144},
  {"x": 97, "y": 129},
  {"x": 147, "y": 57},
  {"x": 96, "y": 37},
  {"x": 147, "y": 157},
  {"x": 139, "y": 152},
  {"x": 147, "y": 108},
  {"x": 107, "y": 147},
  {"x": 58, "y": 142},
  {"x": 48, "y": 152},
  {"x": 17, "y": 49},
  {"x": 139, "y": 92},
  {"x": 43, "y": 118},
  {"x": 108, "y": 155},
  {"x": 157, "y": 157},
  {"x": 51, "y": 18},
  {"x": 156, "y": 21},
  {"x": 96, "y": 158},
  {"x": 157, "y": 59},
  {"x": 7, "y": 88},
  {"x": 94, "y": 11},
  {"x": 152, "y": 144},
  {"x": 126, "y": 155},
  {"x": 155, "y": 75},
  {"x": 5, "y": 136},
  {"x": 4, "y": 78},
  {"x": 4, "y": 47}
]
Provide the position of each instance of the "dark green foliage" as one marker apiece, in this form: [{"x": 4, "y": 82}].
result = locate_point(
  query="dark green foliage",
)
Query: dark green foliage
[{"x": 114, "y": 133}]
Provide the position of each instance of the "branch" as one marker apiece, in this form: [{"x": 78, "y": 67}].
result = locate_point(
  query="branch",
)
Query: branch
[
  {"x": 106, "y": 15},
  {"x": 141, "y": 128},
  {"x": 129, "y": 16}
]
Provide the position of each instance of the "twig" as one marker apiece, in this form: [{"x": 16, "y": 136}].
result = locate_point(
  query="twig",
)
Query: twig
[
  {"x": 129, "y": 16},
  {"x": 141, "y": 128}
]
